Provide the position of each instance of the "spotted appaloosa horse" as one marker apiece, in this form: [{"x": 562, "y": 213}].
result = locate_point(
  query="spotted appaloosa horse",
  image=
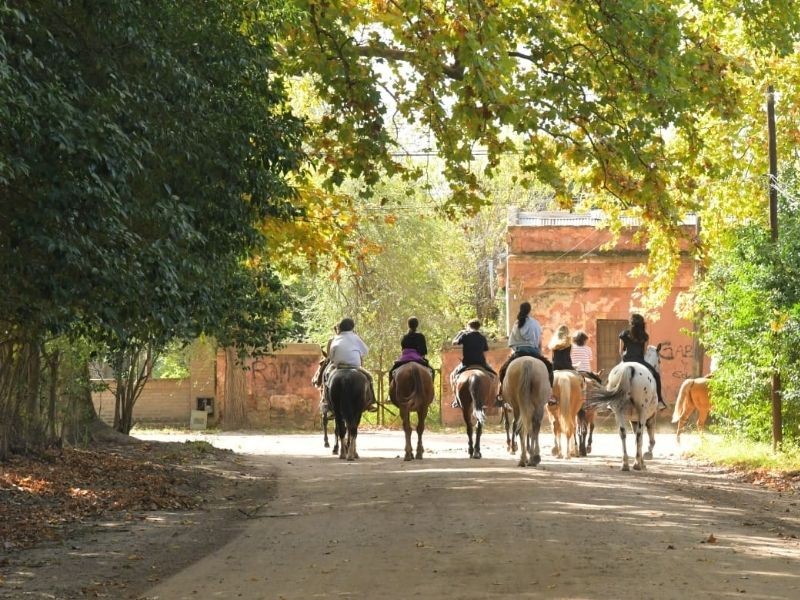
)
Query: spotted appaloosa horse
[
  {"x": 631, "y": 395},
  {"x": 526, "y": 388},
  {"x": 568, "y": 394},
  {"x": 692, "y": 396},
  {"x": 411, "y": 390},
  {"x": 348, "y": 392},
  {"x": 475, "y": 389}
]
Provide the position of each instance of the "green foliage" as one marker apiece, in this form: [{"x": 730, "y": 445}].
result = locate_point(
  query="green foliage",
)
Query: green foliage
[
  {"x": 144, "y": 144},
  {"x": 750, "y": 299}
]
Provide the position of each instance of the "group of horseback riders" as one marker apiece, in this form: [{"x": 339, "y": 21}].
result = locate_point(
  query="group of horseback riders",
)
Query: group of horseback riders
[{"x": 570, "y": 352}]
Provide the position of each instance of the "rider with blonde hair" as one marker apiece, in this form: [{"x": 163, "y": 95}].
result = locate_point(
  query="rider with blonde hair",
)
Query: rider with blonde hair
[{"x": 561, "y": 347}]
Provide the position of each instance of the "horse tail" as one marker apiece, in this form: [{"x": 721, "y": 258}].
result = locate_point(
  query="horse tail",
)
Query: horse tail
[
  {"x": 619, "y": 392},
  {"x": 416, "y": 386},
  {"x": 683, "y": 398},
  {"x": 564, "y": 401},
  {"x": 524, "y": 392},
  {"x": 474, "y": 386}
]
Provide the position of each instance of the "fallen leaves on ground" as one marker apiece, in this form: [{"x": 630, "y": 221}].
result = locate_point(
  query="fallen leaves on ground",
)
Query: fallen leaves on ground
[
  {"x": 775, "y": 480},
  {"x": 40, "y": 495}
]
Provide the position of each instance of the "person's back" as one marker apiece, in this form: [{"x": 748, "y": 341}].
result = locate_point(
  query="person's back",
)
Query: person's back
[
  {"x": 347, "y": 349},
  {"x": 413, "y": 340},
  {"x": 473, "y": 345}
]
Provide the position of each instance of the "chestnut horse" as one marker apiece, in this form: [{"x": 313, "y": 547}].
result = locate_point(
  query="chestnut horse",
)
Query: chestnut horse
[
  {"x": 474, "y": 390},
  {"x": 411, "y": 390},
  {"x": 526, "y": 388},
  {"x": 348, "y": 393},
  {"x": 568, "y": 394},
  {"x": 692, "y": 396},
  {"x": 631, "y": 395}
]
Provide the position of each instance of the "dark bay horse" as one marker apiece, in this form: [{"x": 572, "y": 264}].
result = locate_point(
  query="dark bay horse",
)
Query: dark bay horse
[
  {"x": 411, "y": 390},
  {"x": 348, "y": 394},
  {"x": 475, "y": 389},
  {"x": 526, "y": 388}
]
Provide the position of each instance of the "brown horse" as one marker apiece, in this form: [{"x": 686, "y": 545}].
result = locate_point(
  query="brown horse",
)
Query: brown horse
[
  {"x": 692, "y": 396},
  {"x": 568, "y": 394},
  {"x": 475, "y": 389},
  {"x": 526, "y": 388},
  {"x": 411, "y": 390}
]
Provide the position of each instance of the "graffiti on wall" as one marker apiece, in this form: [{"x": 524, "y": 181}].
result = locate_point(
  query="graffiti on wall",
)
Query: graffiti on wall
[{"x": 683, "y": 357}]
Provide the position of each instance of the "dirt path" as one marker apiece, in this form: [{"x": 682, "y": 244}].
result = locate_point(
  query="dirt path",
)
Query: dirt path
[{"x": 451, "y": 527}]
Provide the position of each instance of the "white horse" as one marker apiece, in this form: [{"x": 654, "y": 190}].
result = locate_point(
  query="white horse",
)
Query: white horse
[{"x": 631, "y": 395}]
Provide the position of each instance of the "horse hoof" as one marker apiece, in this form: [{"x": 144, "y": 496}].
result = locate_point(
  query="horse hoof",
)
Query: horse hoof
[
  {"x": 638, "y": 467},
  {"x": 327, "y": 445},
  {"x": 408, "y": 457},
  {"x": 418, "y": 456},
  {"x": 350, "y": 459},
  {"x": 588, "y": 449},
  {"x": 648, "y": 456},
  {"x": 554, "y": 452},
  {"x": 536, "y": 460},
  {"x": 626, "y": 468},
  {"x": 522, "y": 463},
  {"x": 476, "y": 455},
  {"x": 335, "y": 451}
]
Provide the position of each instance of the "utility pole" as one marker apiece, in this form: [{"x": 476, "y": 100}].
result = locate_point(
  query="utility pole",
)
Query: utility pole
[{"x": 775, "y": 390}]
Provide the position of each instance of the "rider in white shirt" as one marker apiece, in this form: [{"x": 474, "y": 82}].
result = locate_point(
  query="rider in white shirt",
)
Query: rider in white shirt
[{"x": 349, "y": 350}]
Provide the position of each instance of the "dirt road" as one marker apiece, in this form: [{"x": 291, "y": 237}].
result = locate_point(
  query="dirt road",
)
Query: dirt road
[{"x": 451, "y": 527}]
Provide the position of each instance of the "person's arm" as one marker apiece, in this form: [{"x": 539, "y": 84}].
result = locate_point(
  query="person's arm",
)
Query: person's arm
[
  {"x": 423, "y": 346},
  {"x": 485, "y": 344},
  {"x": 621, "y": 348},
  {"x": 459, "y": 338}
]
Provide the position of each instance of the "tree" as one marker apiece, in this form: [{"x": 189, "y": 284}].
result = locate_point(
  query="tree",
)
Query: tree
[
  {"x": 750, "y": 300},
  {"x": 610, "y": 103},
  {"x": 144, "y": 145}
]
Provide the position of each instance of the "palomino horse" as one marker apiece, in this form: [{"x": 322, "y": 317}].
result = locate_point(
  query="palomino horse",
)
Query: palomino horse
[
  {"x": 412, "y": 390},
  {"x": 348, "y": 392},
  {"x": 526, "y": 388},
  {"x": 631, "y": 395},
  {"x": 568, "y": 394},
  {"x": 692, "y": 396},
  {"x": 324, "y": 408},
  {"x": 474, "y": 389}
]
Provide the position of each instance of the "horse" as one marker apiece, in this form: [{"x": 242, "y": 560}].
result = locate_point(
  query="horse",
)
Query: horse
[
  {"x": 324, "y": 407},
  {"x": 568, "y": 394},
  {"x": 474, "y": 389},
  {"x": 412, "y": 390},
  {"x": 692, "y": 396},
  {"x": 348, "y": 393},
  {"x": 526, "y": 388},
  {"x": 631, "y": 395}
]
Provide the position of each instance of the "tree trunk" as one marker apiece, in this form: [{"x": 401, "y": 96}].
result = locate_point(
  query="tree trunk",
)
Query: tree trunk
[
  {"x": 82, "y": 426},
  {"x": 235, "y": 412}
]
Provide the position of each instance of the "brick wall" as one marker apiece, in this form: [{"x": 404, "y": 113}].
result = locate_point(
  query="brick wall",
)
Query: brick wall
[{"x": 279, "y": 390}]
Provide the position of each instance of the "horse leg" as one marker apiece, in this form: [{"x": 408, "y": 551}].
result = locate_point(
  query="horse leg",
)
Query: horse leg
[
  {"x": 514, "y": 426},
  {"x": 352, "y": 433},
  {"x": 702, "y": 415},
  {"x": 405, "y": 415},
  {"x": 341, "y": 437},
  {"x": 580, "y": 432},
  {"x": 622, "y": 436},
  {"x": 591, "y": 433},
  {"x": 536, "y": 456},
  {"x": 556, "y": 438},
  {"x": 638, "y": 431},
  {"x": 325, "y": 428},
  {"x": 470, "y": 448},
  {"x": 651, "y": 435},
  {"x": 523, "y": 444},
  {"x": 422, "y": 414},
  {"x": 478, "y": 432}
]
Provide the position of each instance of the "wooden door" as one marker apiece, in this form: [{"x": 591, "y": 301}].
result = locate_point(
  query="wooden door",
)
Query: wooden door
[{"x": 607, "y": 348}]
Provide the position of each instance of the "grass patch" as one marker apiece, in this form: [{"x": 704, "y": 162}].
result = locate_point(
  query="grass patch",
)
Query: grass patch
[{"x": 747, "y": 455}]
